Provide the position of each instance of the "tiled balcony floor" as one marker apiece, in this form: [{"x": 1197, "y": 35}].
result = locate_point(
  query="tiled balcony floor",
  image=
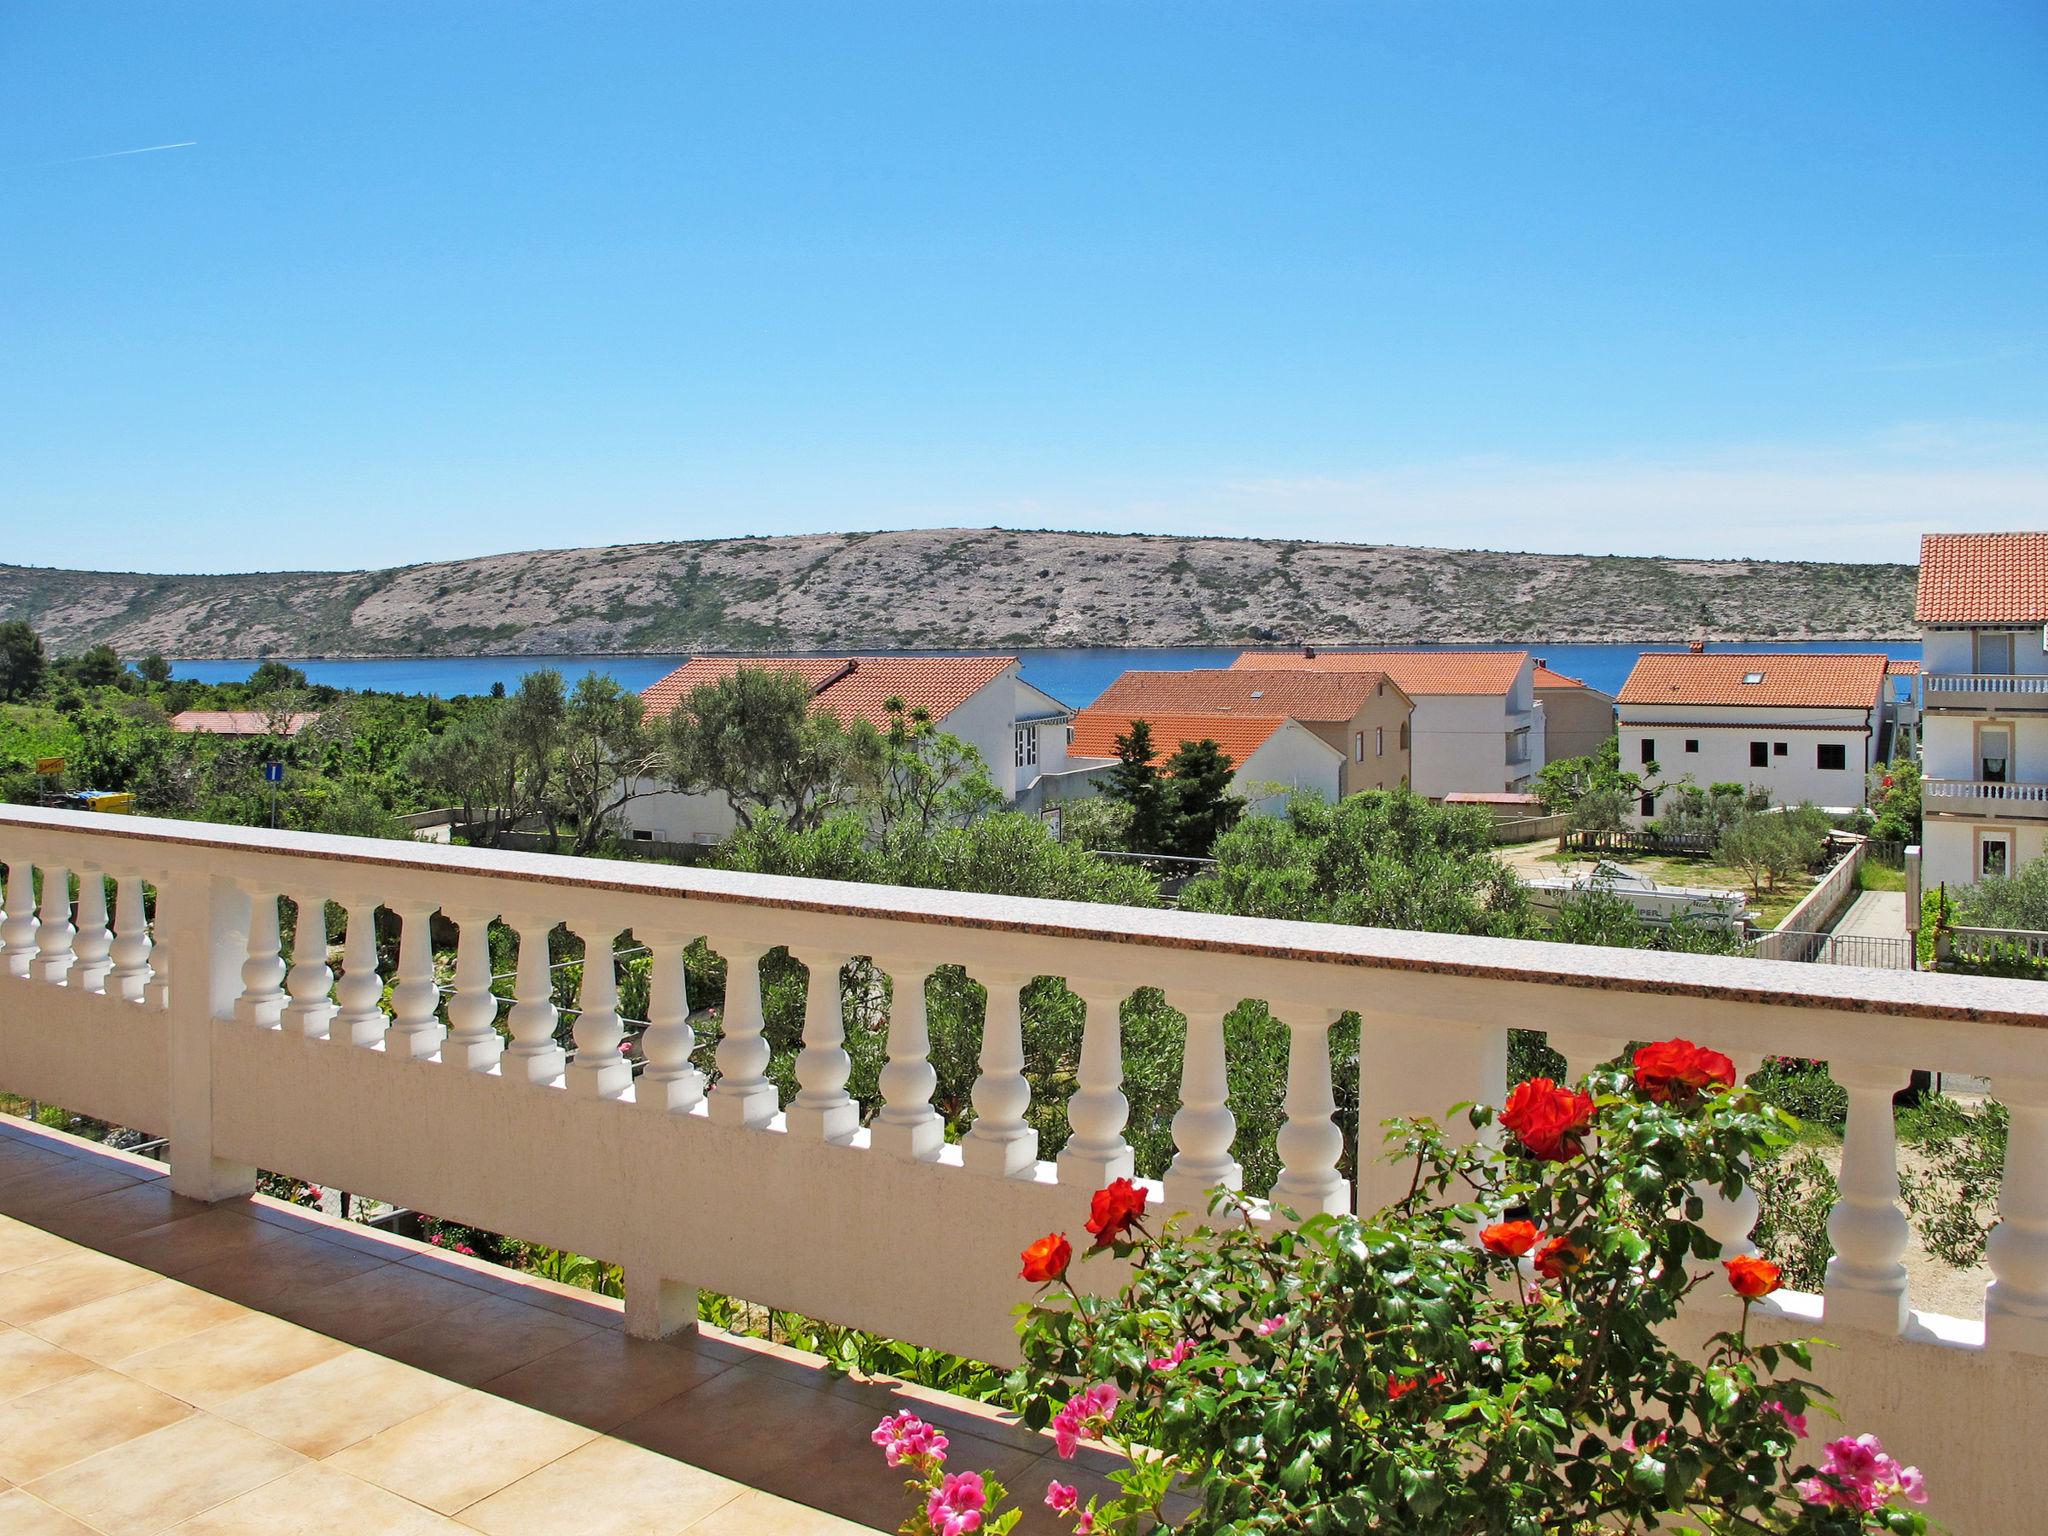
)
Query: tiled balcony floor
[{"x": 254, "y": 1368}]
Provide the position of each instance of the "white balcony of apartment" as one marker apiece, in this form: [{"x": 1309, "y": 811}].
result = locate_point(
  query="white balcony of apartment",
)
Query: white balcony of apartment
[
  {"x": 1985, "y": 670},
  {"x": 1986, "y": 797},
  {"x": 322, "y": 1368}
]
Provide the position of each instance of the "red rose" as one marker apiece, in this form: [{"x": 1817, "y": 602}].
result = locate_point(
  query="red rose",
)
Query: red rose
[
  {"x": 1397, "y": 1388},
  {"x": 1113, "y": 1209},
  {"x": 1550, "y": 1121},
  {"x": 1752, "y": 1278},
  {"x": 1560, "y": 1257},
  {"x": 1047, "y": 1259},
  {"x": 1509, "y": 1239},
  {"x": 1677, "y": 1070}
]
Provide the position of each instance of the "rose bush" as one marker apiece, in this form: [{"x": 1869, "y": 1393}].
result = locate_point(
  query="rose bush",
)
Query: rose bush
[{"x": 1391, "y": 1374}]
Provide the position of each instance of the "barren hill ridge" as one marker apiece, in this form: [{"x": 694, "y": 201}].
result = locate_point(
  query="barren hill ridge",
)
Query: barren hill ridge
[{"x": 958, "y": 588}]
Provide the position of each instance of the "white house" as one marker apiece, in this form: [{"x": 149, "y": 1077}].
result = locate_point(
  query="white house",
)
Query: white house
[
  {"x": 1477, "y": 724},
  {"x": 1019, "y": 730},
  {"x": 1273, "y": 756},
  {"x": 1982, "y": 605},
  {"x": 1802, "y": 727}
]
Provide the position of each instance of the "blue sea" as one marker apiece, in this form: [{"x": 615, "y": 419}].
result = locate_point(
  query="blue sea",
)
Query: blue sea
[{"x": 1075, "y": 676}]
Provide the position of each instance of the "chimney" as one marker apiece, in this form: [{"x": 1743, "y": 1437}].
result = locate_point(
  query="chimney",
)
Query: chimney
[
  {"x": 1308, "y": 653},
  {"x": 1698, "y": 647}
]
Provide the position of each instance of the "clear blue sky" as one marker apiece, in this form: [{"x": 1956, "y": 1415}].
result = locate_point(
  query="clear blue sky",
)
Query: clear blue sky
[{"x": 438, "y": 280}]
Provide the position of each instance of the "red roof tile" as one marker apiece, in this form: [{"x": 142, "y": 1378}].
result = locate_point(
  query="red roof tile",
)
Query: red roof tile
[
  {"x": 851, "y": 687},
  {"x": 1900, "y": 667},
  {"x": 1811, "y": 680},
  {"x": 1096, "y": 731},
  {"x": 1319, "y": 696},
  {"x": 1415, "y": 673},
  {"x": 1983, "y": 578},
  {"x": 1546, "y": 678}
]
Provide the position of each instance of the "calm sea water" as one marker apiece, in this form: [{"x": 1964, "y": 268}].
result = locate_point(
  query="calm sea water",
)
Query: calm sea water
[{"x": 1073, "y": 676}]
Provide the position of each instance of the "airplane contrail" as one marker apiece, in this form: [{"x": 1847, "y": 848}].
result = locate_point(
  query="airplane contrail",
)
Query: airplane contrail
[{"x": 115, "y": 154}]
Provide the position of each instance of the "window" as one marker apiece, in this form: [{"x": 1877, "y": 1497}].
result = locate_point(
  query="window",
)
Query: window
[
  {"x": 1759, "y": 754},
  {"x": 1778, "y": 749},
  {"x": 1649, "y": 749},
  {"x": 1994, "y": 743},
  {"x": 1752, "y": 678},
  {"x": 1358, "y": 746},
  {"x": 1994, "y": 854},
  {"x": 1830, "y": 754},
  {"x": 642, "y": 836},
  {"x": 1648, "y": 805},
  {"x": 1692, "y": 744},
  {"x": 1027, "y": 746},
  {"x": 1404, "y": 735},
  {"x": 1379, "y": 741},
  {"x": 1994, "y": 654}
]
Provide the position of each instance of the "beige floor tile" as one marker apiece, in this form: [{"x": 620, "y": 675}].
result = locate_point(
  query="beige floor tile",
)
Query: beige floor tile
[
  {"x": 765, "y": 1514},
  {"x": 605, "y": 1488},
  {"x": 606, "y": 1379},
  {"x": 22, "y": 1245},
  {"x": 132, "y": 1208},
  {"x": 291, "y": 1268},
  {"x": 61, "y": 1184},
  {"x": 118, "y": 1326},
  {"x": 72, "y": 1279},
  {"x": 487, "y": 1338},
  {"x": 208, "y": 1368},
  {"x": 317, "y": 1500},
  {"x": 156, "y": 1480},
  {"x": 23, "y": 1514},
  {"x": 28, "y": 1364},
  {"x": 76, "y": 1418},
  {"x": 330, "y": 1406},
  {"x": 219, "y": 1232},
  {"x": 460, "y": 1451},
  {"x": 569, "y": 1300},
  {"x": 373, "y": 1305}
]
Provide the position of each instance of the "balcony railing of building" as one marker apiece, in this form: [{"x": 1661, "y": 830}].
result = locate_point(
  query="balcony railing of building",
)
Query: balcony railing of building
[
  {"x": 1987, "y": 791},
  {"x": 1985, "y": 682},
  {"x": 179, "y": 1013}
]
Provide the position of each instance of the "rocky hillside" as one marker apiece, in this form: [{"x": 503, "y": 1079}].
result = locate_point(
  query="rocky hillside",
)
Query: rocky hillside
[{"x": 957, "y": 588}]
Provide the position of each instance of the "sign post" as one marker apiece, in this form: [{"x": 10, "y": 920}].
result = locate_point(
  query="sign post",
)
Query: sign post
[{"x": 273, "y": 775}]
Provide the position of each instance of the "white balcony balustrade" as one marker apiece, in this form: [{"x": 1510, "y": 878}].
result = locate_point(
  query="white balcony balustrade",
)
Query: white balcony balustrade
[
  {"x": 1945, "y": 687},
  {"x": 183, "y": 1017},
  {"x": 2023, "y": 798}
]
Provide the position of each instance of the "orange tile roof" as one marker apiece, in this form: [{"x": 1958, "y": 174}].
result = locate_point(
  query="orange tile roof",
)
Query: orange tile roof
[
  {"x": 1415, "y": 673},
  {"x": 1546, "y": 678},
  {"x": 1319, "y": 696},
  {"x": 851, "y": 687},
  {"x": 1786, "y": 679},
  {"x": 1900, "y": 667},
  {"x": 235, "y": 722},
  {"x": 1096, "y": 731},
  {"x": 1983, "y": 578}
]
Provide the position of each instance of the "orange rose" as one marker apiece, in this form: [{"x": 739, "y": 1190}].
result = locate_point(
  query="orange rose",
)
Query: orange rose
[
  {"x": 1047, "y": 1259},
  {"x": 1113, "y": 1209},
  {"x": 1752, "y": 1278},
  {"x": 1677, "y": 1071},
  {"x": 1560, "y": 1257},
  {"x": 1509, "y": 1239},
  {"x": 1550, "y": 1122}
]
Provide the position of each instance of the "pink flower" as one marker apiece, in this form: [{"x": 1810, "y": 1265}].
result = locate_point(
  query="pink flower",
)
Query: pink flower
[
  {"x": 1062, "y": 1497},
  {"x": 1858, "y": 1475},
  {"x": 904, "y": 1437},
  {"x": 1081, "y": 1413},
  {"x": 1796, "y": 1422},
  {"x": 955, "y": 1506},
  {"x": 1628, "y": 1441},
  {"x": 1085, "y": 1526},
  {"x": 1484, "y": 1346},
  {"x": 1271, "y": 1325},
  {"x": 1173, "y": 1356}
]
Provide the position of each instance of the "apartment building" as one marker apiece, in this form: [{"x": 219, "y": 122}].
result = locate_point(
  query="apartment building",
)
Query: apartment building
[
  {"x": 1272, "y": 757},
  {"x": 1982, "y": 605},
  {"x": 1577, "y": 717}
]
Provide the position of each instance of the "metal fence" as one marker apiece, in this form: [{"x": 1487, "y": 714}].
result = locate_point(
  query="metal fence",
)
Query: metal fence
[
  {"x": 1877, "y": 951},
  {"x": 1639, "y": 842}
]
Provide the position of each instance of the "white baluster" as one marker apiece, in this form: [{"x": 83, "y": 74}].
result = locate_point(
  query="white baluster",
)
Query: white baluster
[
  {"x": 1583, "y": 1052},
  {"x": 2016, "y": 1301},
  {"x": 19, "y": 926},
  {"x": 1729, "y": 1222},
  {"x": 157, "y": 994},
  {"x": 533, "y": 1054},
  {"x": 415, "y": 1030},
  {"x": 129, "y": 979},
  {"x": 310, "y": 980},
  {"x": 822, "y": 1107},
  {"x": 670, "y": 1084},
  {"x": 1001, "y": 1143},
  {"x": 1096, "y": 1152},
  {"x": 908, "y": 1126},
  {"x": 359, "y": 1020},
  {"x": 1866, "y": 1283},
  {"x": 743, "y": 1095},
  {"x": 263, "y": 970},
  {"x": 93, "y": 948},
  {"x": 1203, "y": 1126},
  {"x": 599, "y": 1070},
  {"x": 1309, "y": 1142},
  {"x": 473, "y": 1041},
  {"x": 53, "y": 928}
]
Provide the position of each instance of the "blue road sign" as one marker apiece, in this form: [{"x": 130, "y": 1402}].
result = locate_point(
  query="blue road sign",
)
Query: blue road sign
[{"x": 273, "y": 773}]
